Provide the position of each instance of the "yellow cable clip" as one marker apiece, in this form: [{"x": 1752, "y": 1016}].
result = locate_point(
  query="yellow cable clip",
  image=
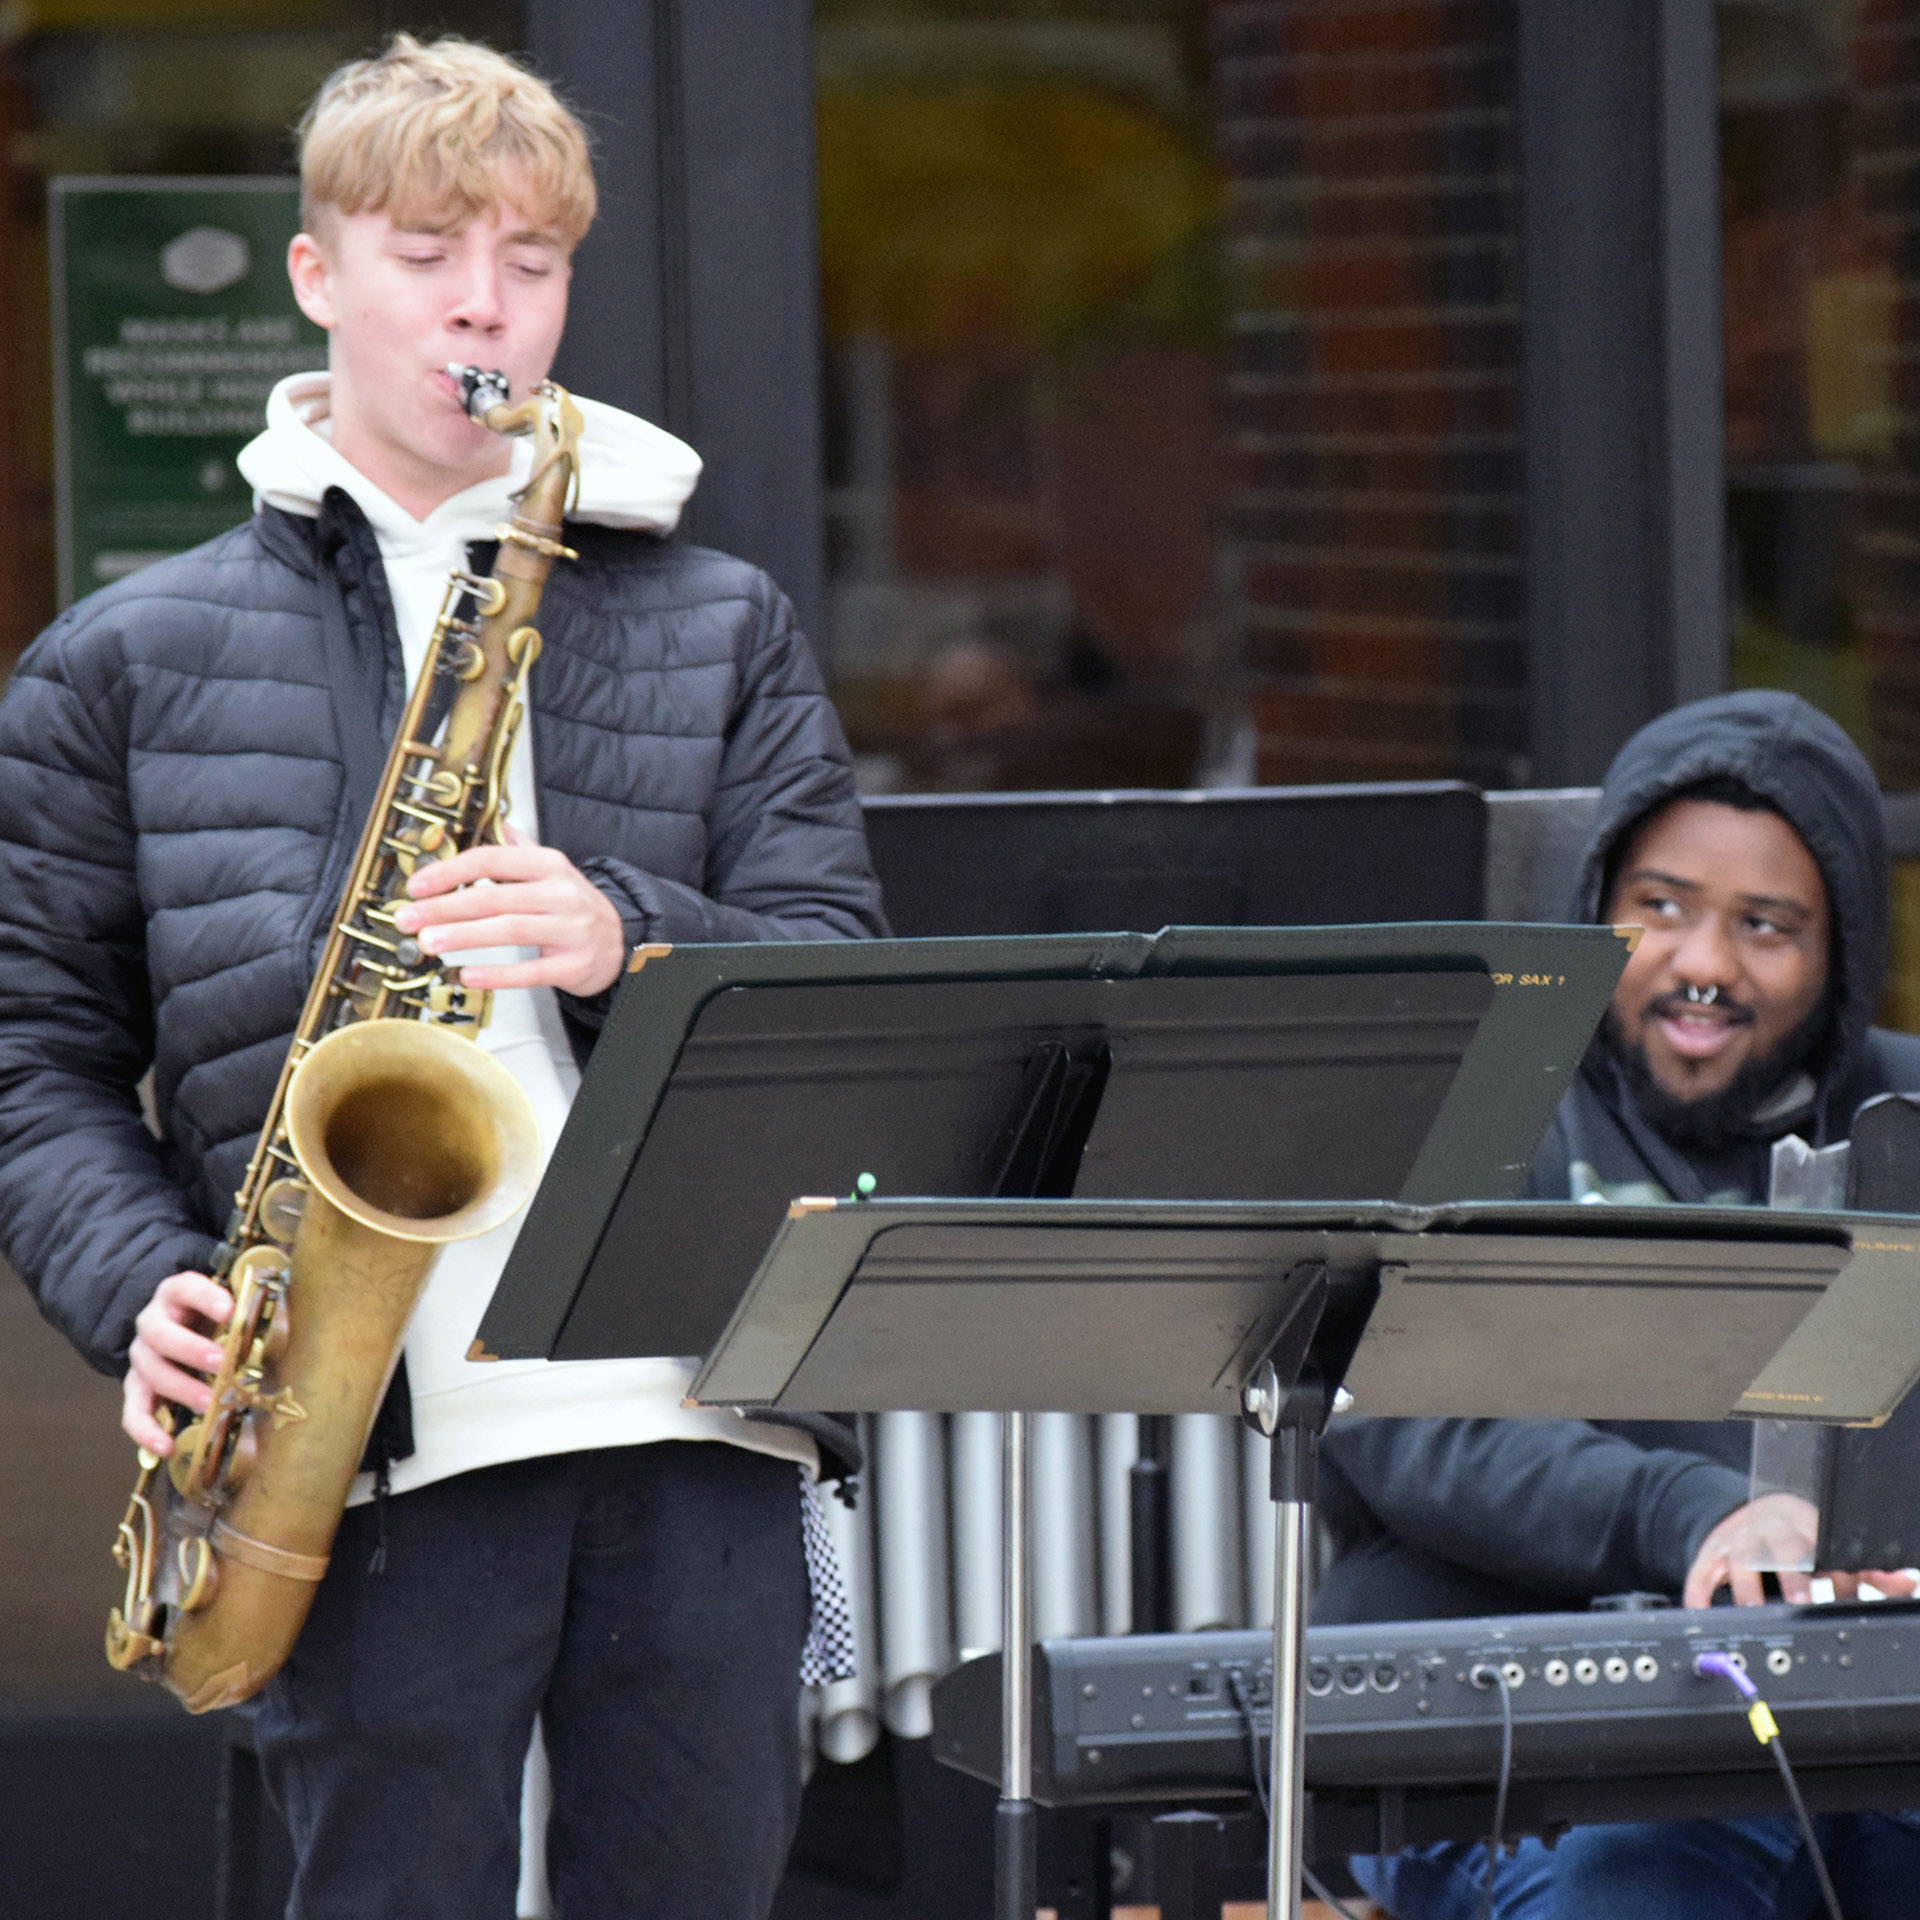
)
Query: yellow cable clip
[{"x": 1760, "y": 1719}]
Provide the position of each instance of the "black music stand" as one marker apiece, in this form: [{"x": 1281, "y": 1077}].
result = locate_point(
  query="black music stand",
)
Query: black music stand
[
  {"x": 1418, "y": 1061},
  {"x": 1142, "y": 1307}
]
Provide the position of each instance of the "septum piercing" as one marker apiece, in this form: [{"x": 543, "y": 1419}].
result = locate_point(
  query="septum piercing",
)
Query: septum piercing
[{"x": 1696, "y": 997}]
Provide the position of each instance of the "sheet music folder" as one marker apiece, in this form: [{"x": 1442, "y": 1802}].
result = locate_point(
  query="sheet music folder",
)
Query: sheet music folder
[
  {"x": 1528, "y": 1310},
  {"x": 1419, "y": 1061}
]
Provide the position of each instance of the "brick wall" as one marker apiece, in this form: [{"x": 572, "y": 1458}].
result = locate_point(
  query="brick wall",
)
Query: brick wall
[{"x": 1373, "y": 494}]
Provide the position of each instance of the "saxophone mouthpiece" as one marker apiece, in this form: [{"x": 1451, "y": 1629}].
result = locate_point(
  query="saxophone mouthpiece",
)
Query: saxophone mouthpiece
[{"x": 481, "y": 389}]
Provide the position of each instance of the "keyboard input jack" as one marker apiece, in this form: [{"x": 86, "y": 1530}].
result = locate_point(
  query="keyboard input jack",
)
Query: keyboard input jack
[
  {"x": 1779, "y": 1662},
  {"x": 1586, "y": 1670},
  {"x": 1615, "y": 1669},
  {"x": 1646, "y": 1667},
  {"x": 1556, "y": 1673}
]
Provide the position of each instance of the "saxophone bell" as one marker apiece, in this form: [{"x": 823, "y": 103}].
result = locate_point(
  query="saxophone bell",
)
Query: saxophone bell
[{"x": 407, "y": 1137}]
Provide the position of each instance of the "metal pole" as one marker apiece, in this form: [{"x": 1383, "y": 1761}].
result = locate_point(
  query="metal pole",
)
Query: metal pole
[
  {"x": 1016, "y": 1854},
  {"x": 1286, "y": 1830}
]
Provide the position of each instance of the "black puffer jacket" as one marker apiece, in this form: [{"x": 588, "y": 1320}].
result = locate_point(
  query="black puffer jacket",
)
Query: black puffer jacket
[
  {"x": 175, "y": 821},
  {"x": 1459, "y": 1517}
]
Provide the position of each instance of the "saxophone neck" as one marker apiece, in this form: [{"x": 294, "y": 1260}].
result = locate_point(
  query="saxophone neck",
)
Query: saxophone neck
[
  {"x": 550, "y": 416},
  {"x": 541, "y": 505}
]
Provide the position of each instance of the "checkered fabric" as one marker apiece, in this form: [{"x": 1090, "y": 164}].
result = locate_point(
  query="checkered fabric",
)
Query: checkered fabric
[{"x": 829, "y": 1651}]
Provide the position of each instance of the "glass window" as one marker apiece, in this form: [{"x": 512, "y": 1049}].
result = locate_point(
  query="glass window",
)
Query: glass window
[
  {"x": 143, "y": 87},
  {"x": 1819, "y": 177},
  {"x": 1810, "y": 294},
  {"x": 1171, "y": 391}
]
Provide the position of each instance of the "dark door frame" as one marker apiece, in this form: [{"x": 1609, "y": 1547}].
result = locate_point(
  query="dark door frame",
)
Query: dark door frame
[
  {"x": 696, "y": 299},
  {"x": 1624, "y": 406}
]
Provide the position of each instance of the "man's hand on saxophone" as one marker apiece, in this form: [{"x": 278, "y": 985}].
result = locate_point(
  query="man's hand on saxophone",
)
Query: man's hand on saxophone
[
  {"x": 535, "y": 897},
  {"x": 169, "y": 1353}
]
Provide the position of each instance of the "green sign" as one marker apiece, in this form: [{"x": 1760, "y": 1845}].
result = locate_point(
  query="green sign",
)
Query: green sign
[{"x": 173, "y": 319}]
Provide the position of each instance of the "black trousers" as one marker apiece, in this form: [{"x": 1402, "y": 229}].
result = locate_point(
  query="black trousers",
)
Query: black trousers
[{"x": 649, "y": 1603}]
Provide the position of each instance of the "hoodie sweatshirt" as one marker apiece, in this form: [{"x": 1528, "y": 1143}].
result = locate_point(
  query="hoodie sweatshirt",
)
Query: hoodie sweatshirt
[
  {"x": 467, "y": 1414},
  {"x": 1792, "y": 756},
  {"x": 1456, "y": 1517}
]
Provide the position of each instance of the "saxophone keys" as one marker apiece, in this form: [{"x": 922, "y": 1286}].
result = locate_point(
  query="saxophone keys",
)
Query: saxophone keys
[
  {"x": 128, "y": 1647},
  {"x": 281, "y": 1207},
  {"x": 464, "y": 660},
  {"x": 199, "y": 1573},
  {"x": 183, "y": 1462},
  {"x": 285, "y": 1409},
  {"x": 489, "y": 592},
  {"x": 411, "y": 850},
  {"x": 453, "y": 1005}
]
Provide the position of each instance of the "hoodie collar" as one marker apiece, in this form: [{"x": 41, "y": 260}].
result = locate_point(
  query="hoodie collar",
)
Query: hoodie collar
[{"x": 633, "y": 475}]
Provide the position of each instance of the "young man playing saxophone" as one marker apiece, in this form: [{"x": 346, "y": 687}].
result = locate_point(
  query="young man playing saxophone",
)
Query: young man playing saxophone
[{"x": 174, "y": 810}]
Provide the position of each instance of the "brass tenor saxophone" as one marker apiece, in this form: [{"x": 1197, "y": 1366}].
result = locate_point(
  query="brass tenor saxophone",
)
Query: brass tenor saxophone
[{"x": 389, "y": 1133}]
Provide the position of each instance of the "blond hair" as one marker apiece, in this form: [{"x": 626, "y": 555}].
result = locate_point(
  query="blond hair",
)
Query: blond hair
[{"x": 433, "y": 135}]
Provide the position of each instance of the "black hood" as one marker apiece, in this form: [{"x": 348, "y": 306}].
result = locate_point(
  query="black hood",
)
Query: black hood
[{"x": 1798, "y": 761}]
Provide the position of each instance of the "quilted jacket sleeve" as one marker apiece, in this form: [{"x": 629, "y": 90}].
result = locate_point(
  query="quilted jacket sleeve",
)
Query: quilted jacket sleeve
[
  {"x": 787, "y": 854},
  {"x": 90, "y": 1215}
]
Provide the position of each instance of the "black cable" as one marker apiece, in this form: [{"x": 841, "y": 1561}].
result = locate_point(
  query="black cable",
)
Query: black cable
[
  {"x": 1483, "y": 1676},
  {"x": 1731, "y": 1668},
  {"x": 1827, "y": 1892},
  {"x": 1237, "y": 1686}
]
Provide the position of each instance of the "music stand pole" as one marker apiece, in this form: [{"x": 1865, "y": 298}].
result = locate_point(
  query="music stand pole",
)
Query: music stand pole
[
  {"x": 1016, "y": 1872},
  {"x": 1293, "y": 1421},
  {"x": 1286, "y": 1836}
]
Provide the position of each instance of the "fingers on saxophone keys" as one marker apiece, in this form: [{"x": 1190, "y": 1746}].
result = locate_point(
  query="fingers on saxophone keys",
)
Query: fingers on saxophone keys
[
  {"x": 165, "y": 1381},
  {"x": 170, "y": 1344},
  {"x": 137, "y": 1421},
  {"x": 497, "y": 930},
  {"x": 188, "y": 1293},
  {"x": 519, "y": 860}
]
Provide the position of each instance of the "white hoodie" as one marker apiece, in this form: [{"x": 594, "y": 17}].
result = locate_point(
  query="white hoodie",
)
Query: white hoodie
[{"x": 468, "y": 1414}]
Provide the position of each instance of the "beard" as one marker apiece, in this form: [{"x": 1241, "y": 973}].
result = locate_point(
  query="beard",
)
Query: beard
[{"x": 1713, "y": 1122}]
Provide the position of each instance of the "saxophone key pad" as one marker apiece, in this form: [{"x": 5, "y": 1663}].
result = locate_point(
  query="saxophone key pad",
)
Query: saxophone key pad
[{"x": 281, "y": 1207}]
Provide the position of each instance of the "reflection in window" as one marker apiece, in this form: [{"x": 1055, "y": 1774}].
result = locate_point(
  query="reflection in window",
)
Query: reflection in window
[
  {"x": 1171, "y": 390},
  {"x": 1819, "y": 173},
  {"x": 1020, "y": 226}
]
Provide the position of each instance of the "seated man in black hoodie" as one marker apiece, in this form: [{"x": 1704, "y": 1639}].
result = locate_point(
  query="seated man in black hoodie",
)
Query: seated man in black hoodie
[{"x": 1744, "y": 835}]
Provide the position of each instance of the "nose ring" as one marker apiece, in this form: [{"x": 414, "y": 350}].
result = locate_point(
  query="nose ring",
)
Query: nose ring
[{"x": 1697, "y": 997}]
